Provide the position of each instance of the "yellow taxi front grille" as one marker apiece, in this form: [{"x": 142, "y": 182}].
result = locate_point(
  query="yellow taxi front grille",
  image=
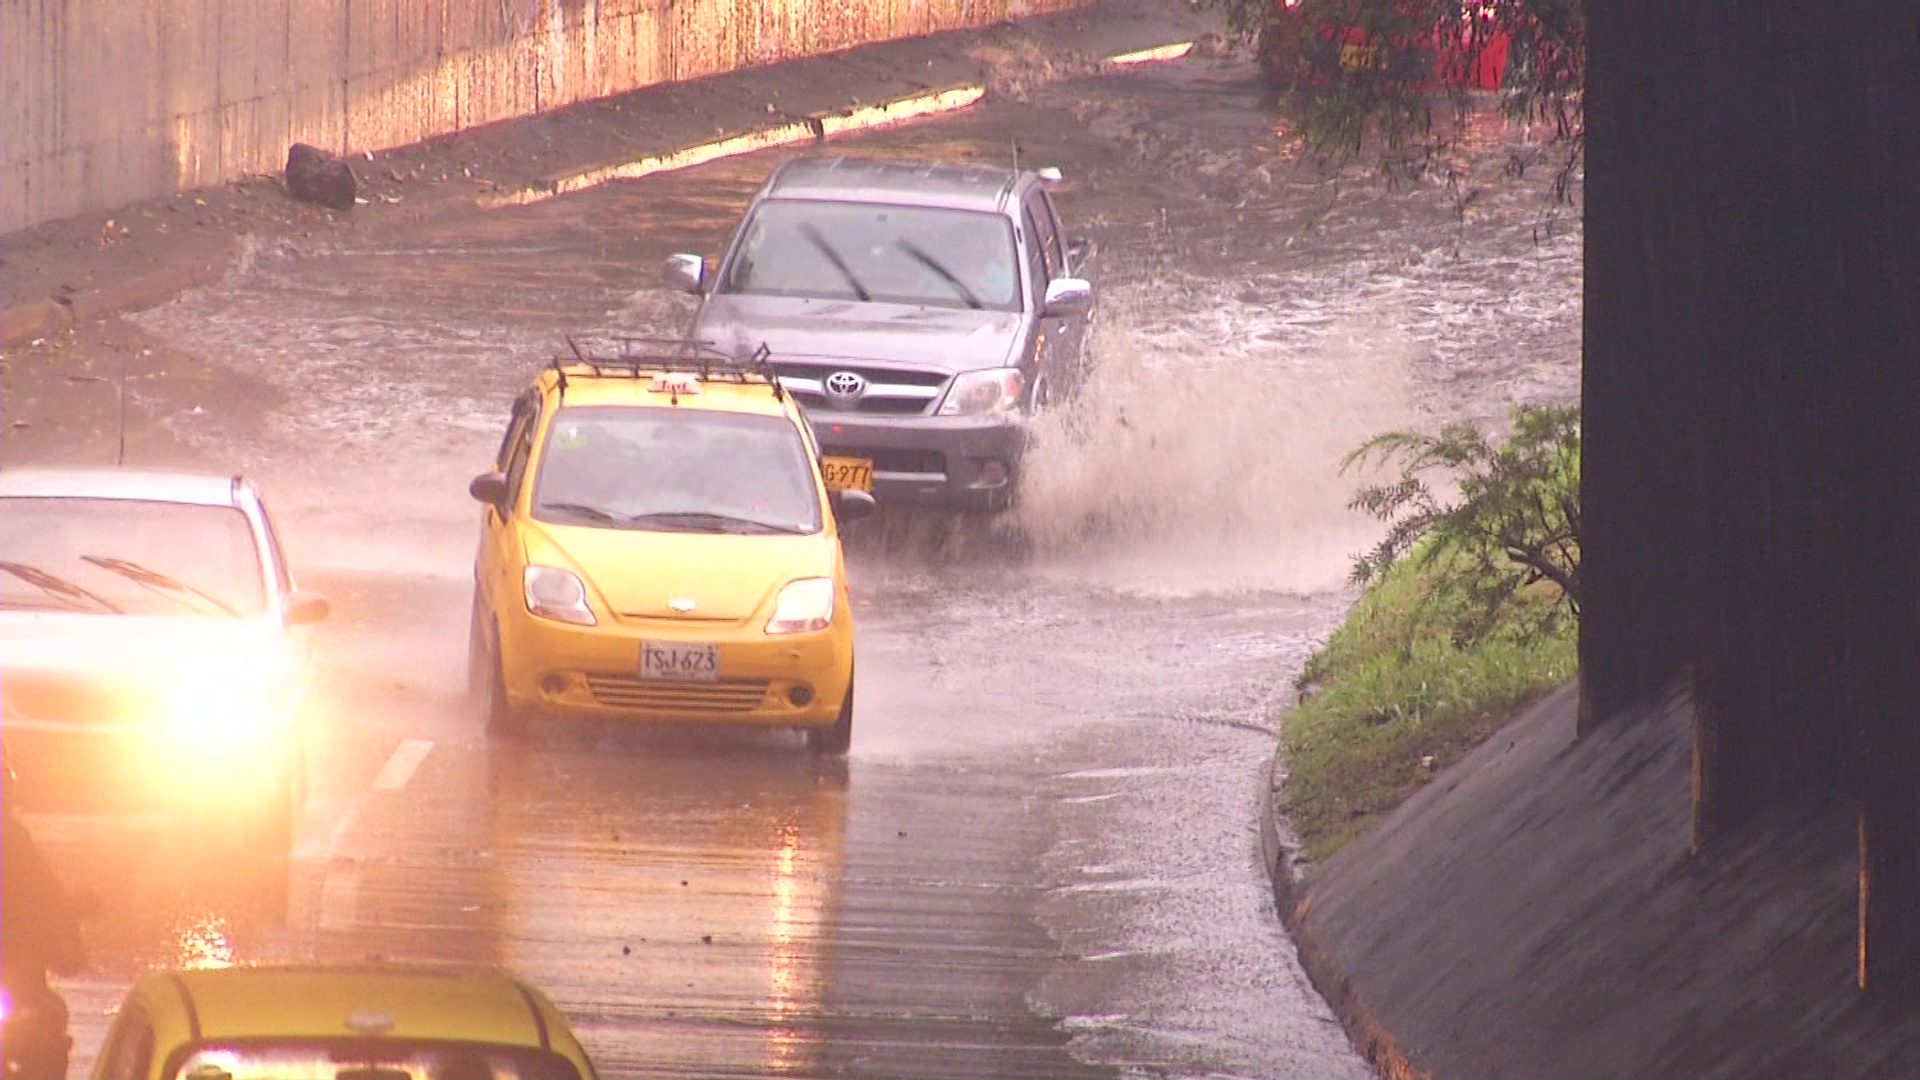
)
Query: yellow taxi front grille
[{"x": 627, "y": 692}]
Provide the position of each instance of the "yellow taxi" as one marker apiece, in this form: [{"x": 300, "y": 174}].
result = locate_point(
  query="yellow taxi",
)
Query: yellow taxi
[
  {"x": 659, "y": 543},
  {"x": 298, "y": 1021}
]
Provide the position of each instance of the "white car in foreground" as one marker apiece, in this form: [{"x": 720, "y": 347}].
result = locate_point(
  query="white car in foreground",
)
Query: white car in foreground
[{"x": 152, "y": 649}]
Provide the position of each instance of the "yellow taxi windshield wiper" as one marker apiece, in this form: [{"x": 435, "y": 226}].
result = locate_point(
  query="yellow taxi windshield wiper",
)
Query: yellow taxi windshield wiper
[
  {"x": 58, "y": 587},
  {"x": 583, "y": 510},
  {"x": 155, "y": 579},
  {"x": 710, "y": 521}
]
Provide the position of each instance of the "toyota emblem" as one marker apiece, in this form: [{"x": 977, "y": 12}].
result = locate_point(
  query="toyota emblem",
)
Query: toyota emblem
[
  {"x": 681, "y": 604},
  {"x": 846, "y": 385}
]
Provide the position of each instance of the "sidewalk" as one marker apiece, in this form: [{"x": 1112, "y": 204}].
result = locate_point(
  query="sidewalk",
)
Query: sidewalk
[{"x": 79, "y": 270}]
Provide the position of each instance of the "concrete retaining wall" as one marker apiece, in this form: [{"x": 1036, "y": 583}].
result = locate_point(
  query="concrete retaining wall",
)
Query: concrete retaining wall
[{"x": 109, "y": 102}]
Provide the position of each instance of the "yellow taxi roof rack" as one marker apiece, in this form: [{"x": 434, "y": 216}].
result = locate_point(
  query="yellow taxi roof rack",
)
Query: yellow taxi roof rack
[{"x": 647, "y": 357}]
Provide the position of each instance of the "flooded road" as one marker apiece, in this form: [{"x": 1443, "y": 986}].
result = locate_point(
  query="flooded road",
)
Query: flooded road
[{"x": 1041, "y": 856}]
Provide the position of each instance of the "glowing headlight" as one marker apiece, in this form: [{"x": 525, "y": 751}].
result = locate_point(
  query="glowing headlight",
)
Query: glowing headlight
[
  {"x": 223, "y": 707},
  {"x": 806, "y": 604},
  {"x": 553, "y": 593},
  {"x": 979, "y": 393}
]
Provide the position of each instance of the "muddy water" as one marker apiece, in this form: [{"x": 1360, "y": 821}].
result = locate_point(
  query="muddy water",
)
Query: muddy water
[{"x": 1041, "y": 856}]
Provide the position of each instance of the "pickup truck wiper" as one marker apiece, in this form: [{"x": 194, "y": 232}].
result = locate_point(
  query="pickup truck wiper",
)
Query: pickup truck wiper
[
  {"x": 155, "y": 579},
  {"x": 58, "y": 587},
  {"x": 812, "y": 233},
  {"x": 921, "y": 256}
]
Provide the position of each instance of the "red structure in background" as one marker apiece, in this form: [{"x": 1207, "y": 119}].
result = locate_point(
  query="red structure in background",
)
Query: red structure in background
[{"x": 1300, "y": 44}]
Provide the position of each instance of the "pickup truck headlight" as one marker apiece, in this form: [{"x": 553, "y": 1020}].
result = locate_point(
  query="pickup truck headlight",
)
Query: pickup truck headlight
[{"x": 984, "y": 393}]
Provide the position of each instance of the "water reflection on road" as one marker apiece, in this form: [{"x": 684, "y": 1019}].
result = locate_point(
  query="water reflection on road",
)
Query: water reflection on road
[{"x": 1040, "y": 858}]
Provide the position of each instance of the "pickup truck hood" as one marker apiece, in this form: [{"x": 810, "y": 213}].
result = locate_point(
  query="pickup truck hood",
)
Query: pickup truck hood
[{"x": 802, "y": 330}]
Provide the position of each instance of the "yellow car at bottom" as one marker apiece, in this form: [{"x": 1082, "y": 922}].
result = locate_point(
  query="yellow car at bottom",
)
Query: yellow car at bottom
[
  {"x": 659, "y": 543},
  {"x": 295, "y": 1022}
]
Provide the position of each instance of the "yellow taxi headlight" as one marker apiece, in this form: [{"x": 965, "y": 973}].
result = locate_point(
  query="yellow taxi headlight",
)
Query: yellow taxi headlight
[
  {"x": 806, "y": 604},
  {"x": 557, "y": 594}
]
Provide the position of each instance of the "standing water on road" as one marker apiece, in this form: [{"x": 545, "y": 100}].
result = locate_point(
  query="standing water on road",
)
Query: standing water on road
[{"x": 1041, "y": 857}]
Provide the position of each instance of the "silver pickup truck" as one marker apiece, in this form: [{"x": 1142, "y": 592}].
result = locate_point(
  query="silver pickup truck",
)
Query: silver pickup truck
[{"x": 920, "y": 311}]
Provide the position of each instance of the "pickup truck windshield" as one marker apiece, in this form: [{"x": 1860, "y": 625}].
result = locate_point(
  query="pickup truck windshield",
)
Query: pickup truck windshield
[{"x": 876, "y": 252}]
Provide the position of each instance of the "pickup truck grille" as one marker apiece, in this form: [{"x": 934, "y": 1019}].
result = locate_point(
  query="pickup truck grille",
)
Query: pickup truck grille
[{"x": 882, "y": 391}]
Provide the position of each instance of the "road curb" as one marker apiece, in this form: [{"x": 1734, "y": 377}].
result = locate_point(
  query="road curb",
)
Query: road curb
[
  {"x": 1173, "y": 51},
  {"x": 815, "y": 128},
  {"x": 30, "y": 320},
  {"x": 1356, "y": 1015}
]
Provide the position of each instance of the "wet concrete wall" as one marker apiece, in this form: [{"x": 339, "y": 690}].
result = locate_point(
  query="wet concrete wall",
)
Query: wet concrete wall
[{"x": 107, "y": 102}]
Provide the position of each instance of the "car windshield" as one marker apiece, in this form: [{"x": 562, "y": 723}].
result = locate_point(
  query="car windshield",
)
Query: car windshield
[
  {"x": 367, "y": 1059},
  {"x": 872, "y": 251},
  {"x": 128, "y": 556},
  {"x": 676, "y": 470}
]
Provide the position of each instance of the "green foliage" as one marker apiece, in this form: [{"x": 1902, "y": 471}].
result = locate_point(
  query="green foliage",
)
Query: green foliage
[
  {"x": 1513, "y": 522},
  {"x": 1397, "y": 694}
]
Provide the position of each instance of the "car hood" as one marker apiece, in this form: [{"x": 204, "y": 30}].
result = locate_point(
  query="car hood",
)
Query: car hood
[
  {"x": 54, "y": 665},
  {"x": 796, "y": 328},
  {"x": 638, "y": 574}
]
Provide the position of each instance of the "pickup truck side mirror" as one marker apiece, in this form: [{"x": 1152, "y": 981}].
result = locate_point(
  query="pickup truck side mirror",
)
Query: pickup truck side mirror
[
  {"x": 1068, "y": 296},
  {"x": 685, "y": 273}
]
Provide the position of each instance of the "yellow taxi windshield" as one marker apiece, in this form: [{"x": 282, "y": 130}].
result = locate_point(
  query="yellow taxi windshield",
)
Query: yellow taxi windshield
[{"x": 678, "y": 469}]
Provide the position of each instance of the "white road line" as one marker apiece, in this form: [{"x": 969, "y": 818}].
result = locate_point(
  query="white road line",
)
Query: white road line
[
  {"x": 401, "y": 764},
  {"x": 339, "y": 900}
]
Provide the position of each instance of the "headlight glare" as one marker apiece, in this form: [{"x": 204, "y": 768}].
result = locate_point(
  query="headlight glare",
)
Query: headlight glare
[
  {"x": 223, "y": 707},
  {"x": 982, "y": 393},
  {"x": 553, "y": 593},
  {"x": 804, "y": 605}
]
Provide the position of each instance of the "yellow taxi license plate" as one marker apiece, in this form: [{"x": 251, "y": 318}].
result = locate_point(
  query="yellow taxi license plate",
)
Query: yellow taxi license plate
[
  {"x": 847, "y": 472},
  {"x": 676, "y": 660}
]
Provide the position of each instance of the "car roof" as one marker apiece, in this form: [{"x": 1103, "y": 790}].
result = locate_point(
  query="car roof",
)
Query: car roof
[
  {"x": 292, "y": 1001},
  {"x": 203, "y": 489},
  {"x": 726, "y": 393},
  {"x": 966, "y": 186}
]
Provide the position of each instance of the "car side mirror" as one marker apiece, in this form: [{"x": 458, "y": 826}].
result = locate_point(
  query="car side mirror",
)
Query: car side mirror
[
  {"x": 305, "y": 608},
  {"x": 685, "y": 273},
  {"x": 852, "y": 504},
  {"x": 1068, "y": 296},
  {"x": 490, "y": 488}
]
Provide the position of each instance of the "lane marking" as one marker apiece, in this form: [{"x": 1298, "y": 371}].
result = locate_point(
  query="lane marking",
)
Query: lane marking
[
  {"x": 401, "y": 764},
  {"x": 339, "y": 900}
]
